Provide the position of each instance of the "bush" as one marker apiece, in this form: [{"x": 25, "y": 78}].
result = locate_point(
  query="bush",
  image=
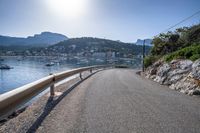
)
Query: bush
[
  {"x": 191, "y": 52},
  {"x": 184, "y": 43},
  {"x": 170, "y": 42},
  {"x": 149, "y": 60},
  {"x": 195, "y": 57}
]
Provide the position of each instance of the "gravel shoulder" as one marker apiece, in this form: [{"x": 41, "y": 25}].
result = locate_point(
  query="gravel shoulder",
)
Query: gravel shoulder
[{"x": 30, "y": 119}]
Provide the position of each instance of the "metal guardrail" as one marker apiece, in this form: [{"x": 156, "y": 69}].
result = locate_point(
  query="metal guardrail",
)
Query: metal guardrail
[{"x": 12, "y": 100}]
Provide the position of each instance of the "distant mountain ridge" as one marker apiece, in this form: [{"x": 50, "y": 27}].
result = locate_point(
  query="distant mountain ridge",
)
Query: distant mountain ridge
[
  {"x": 148, "y": 42},
  {"x": 38, "y": 40},
  {"x": 84, "y": 46},
  {"x": 78, "y": 45}
]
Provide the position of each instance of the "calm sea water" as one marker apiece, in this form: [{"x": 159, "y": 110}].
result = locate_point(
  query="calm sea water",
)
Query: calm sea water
[{"x": 29, "y": 69}]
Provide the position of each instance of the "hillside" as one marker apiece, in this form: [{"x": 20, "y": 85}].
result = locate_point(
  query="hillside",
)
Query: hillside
[
  {"x": 175, "y": 60},
  {"x": 89, "y": 44},
  {"x": 85, "y": 46},
  {"x": 38, "y": 40},
  {"x": 183, "y": 43}
]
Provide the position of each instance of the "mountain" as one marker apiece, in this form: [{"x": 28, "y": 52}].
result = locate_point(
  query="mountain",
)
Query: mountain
[
  {"x": 84, "y": 46},
  {"x": 43, "y": 39},
  {"x": 46, "y": 38},
  {"x": 78, "y": 45},
  {"x": 148, "y": 42}
]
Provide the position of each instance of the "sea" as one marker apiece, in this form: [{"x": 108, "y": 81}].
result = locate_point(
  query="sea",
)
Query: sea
[{"x": 28, "y": 69}]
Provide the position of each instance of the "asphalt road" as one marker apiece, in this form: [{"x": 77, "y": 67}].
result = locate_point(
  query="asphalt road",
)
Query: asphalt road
[{"x": 120, "y": 101}]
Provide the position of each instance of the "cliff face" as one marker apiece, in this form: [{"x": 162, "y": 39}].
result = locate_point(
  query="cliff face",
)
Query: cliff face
[{"x": 181, "y": 75}]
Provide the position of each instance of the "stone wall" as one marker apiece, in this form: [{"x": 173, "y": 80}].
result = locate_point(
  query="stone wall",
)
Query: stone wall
[{"x": 181, "y": 75}]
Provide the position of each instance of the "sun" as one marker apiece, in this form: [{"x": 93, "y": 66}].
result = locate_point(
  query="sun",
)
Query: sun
[{"x": 68, "y": 8}]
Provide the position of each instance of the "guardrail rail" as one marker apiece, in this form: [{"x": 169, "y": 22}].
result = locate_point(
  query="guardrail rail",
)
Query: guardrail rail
[{"x": 12, "y": 100}]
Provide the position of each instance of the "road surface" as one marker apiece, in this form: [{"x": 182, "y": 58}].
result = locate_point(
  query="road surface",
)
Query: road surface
[{"x": 120, "y": 101}]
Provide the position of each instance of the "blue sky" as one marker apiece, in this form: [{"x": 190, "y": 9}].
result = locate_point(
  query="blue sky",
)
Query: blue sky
[{"x": 125, "y": 20}]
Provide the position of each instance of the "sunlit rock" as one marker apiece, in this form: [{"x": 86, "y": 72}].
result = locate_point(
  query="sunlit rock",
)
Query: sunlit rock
[{"x": 180, "y": 75}]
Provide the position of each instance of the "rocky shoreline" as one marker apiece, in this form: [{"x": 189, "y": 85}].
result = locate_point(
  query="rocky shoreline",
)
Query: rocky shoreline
[{"x": 180, "y": 75}]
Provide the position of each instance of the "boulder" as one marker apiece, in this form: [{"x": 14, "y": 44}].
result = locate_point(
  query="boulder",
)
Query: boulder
[
  {"x": 185, "y": 64},
  {"x": 160, "y": 79},
  {"x": 162, "y": 73},
  {"x": 181, "y": 75},
  {"x": 196, "y": 70},
  {"x": 196, "y": 64},
  {"x": 181, "y": 64},
  {"x": 174, "y": 64},
  {"x": 185, "y": 85},
  {"x": 163, "y": 70},
  {"x": 158, "y": 63},
  {"x": 152, "y": 76},
  {"x": 173, "y": 79},
  {"x": 152, "y": 70},
  {"x": 174, "y": 61},
  {"x": 175, "y": 75}
]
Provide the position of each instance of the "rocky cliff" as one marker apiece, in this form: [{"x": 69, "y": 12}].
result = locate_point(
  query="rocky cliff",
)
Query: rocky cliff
[{"x": 181, "y": 75}]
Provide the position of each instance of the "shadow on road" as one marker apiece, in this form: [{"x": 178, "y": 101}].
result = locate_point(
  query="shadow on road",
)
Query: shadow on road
[{"x": 51, "y": 103}]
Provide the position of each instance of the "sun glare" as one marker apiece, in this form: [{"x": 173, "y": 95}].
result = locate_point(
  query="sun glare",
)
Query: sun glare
[{"x": 68, "y": 8}]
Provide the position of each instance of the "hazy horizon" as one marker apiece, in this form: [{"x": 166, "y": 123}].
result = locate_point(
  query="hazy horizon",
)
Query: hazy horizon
[{"x": 125, "y": 20}]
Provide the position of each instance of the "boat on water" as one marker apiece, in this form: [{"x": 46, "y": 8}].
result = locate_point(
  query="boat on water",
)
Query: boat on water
[
  {"x": 4, "y": 66},
  {"x": 56, "y": 62},
  {"x": 50, "y": 64},
  {"x": 99, "y": 60},
  {"x": 82, "y": 61},
  {"x": 78, "y": 63}
]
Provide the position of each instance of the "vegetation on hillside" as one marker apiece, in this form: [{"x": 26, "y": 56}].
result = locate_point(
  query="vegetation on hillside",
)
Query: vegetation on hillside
[
  {"x": 191, "y": 52},
  {"x": 80, "y": 46},
  {"x": 77, "y": 45},
  {"x": 183, "y": 43}
]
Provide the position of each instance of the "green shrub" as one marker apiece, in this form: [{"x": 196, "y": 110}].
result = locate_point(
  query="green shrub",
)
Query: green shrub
[
  {"x": 169, "y": 42},
  {"x": 191, "y": 52},
  {"x": 183, "y": 43},
  {"x": 195, "y": 57},
  {"x": 149, "y": 60}
]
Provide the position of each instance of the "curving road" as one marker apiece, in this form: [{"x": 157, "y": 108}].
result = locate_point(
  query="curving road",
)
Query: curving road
[{"x": 118, "y": 100}]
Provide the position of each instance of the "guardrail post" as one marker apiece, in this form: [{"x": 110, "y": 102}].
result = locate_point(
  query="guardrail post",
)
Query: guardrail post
[
  {"x": 52, "y": 87},
  {"x": 80, "y": 75}
]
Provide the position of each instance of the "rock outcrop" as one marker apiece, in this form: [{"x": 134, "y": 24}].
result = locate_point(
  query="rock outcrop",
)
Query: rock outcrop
[{"x": 181, "y": 75}]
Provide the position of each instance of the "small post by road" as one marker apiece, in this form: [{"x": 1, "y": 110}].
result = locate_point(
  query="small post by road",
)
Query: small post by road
[
  {"x": 80, "y": 75},
  {"x": 52, "y": 87},
  {"x": 143, "y": 53}
]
